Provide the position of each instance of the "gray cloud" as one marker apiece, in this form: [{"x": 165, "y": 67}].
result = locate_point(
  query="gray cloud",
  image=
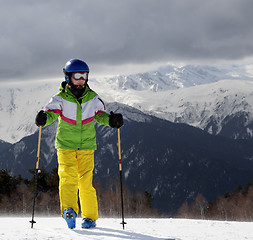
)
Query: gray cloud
[{"x": 38, "y": 37}]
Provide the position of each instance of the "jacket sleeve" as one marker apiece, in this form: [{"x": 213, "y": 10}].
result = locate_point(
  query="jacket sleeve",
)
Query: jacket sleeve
[
  {"x": 53, "y": 109},
  {"x": 101, "y": 116}
]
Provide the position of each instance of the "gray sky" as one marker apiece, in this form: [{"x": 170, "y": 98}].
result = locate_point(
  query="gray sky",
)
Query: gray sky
[{"x": 121, "y": 36}]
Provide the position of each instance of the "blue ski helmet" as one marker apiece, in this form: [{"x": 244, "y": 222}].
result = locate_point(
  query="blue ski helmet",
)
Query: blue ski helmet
[{"x": 74, "y": 65}]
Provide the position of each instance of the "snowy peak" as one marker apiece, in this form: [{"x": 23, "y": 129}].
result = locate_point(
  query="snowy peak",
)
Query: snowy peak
[
  {"x": 198, "y": 106},
  {"x": 175, "y": 77},
  {"x": 196, "y": 95},
  {"x": 19, "y": 106},
  {"x": 209, "y": 106}
]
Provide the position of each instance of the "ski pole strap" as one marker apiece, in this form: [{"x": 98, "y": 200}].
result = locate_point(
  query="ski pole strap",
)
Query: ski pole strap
[{"x": 119, "y": 148}]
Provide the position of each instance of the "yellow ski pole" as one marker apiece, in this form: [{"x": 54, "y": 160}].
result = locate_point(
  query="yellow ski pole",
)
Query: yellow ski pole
[
  {"x": 120, "y": 175},
  {"x": 36, "y": 177}
]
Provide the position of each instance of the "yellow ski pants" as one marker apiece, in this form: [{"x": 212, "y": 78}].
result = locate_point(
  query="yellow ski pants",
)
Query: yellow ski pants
[{"x": 75, "y": 170}]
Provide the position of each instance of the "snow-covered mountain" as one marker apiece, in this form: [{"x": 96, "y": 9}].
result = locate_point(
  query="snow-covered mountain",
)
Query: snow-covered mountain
[
  {"x": 175, "y": 77},
  {"x": 19, "y": 105},
  {"x": 212, "y": 98},
  {"x": 211, "y": 107}
]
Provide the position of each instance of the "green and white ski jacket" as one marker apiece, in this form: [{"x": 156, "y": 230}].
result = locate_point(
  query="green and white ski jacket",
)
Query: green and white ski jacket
[{"x": 76, "y": 117}]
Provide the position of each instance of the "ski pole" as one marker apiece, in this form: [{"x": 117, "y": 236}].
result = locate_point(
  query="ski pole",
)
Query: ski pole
[
  {"x": 120, "y": 175},
  {"x": 36, "y": 177}
]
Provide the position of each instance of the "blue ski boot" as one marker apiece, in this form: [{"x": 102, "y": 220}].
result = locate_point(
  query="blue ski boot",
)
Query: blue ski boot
[
  {"x": 88, "y": 223},
  {"x": 70, "y": 217}
]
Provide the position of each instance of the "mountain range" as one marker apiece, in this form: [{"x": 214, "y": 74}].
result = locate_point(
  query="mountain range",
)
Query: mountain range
[
  {"x": 181, "y": 136},
  {"x": 207, "y": 97}
]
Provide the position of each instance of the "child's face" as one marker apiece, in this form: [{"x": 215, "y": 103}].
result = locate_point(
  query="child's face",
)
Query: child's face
[{"x": 79, "y": 78}]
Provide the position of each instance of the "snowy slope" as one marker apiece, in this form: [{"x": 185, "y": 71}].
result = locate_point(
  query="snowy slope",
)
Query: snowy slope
[
  {"x": 196, "y": 105},
  {"x": 19, "y": 105},
  {"x": 54, "y": 228},
  {"x": 191, "y": 94},
  {"x": 210, "y": 107}
]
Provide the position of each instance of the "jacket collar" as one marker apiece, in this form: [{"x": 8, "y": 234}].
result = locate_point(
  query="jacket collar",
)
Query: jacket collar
[{"x": 65, "y": 88}]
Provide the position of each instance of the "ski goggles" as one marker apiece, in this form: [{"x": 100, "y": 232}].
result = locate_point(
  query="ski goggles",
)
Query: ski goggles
[{"x": 79, "y": 76}]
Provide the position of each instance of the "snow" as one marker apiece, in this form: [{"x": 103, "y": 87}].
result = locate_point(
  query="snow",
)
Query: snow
[
  {"x": 110, "y": 228},
  {"x": 194, "y": 105}
]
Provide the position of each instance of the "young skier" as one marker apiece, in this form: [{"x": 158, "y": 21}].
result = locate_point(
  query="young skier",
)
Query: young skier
[{"x": 77, "y": 106}]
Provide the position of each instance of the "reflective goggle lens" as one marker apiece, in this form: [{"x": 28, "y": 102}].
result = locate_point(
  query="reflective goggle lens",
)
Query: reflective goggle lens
[{"x": 78, "y": 76}]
